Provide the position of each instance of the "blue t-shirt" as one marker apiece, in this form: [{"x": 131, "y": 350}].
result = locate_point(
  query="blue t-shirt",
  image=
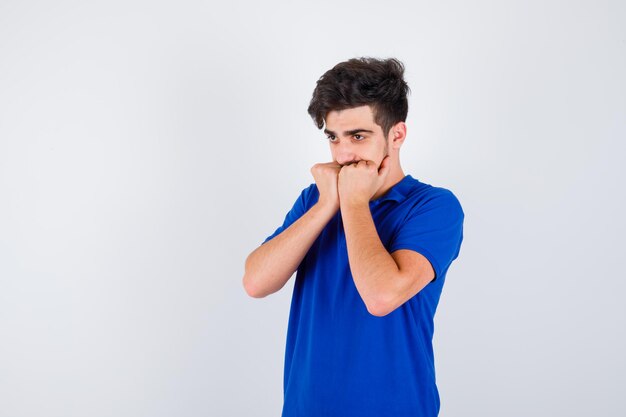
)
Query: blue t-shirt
[{"x": 342, "y": 361}]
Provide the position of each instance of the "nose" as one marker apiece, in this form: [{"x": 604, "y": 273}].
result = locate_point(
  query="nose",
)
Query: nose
[{"x": 344, "y": 152}]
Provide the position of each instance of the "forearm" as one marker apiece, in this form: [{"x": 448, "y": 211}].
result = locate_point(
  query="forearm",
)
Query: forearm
[
  {"x": 269, "y": 267},
  {"x": 373, "y": 269}
]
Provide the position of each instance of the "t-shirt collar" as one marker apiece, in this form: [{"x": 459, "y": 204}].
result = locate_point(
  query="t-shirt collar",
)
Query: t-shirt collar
[{"x": 398, "y": 191}]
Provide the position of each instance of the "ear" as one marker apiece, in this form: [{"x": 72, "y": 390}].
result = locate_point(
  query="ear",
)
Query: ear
[{"x": 397, "y": 134}]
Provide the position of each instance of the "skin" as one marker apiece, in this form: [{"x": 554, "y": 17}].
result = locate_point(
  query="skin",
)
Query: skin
[{"x": 365, "y": 165}]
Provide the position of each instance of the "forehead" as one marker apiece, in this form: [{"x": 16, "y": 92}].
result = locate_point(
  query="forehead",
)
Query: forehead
[{"x": 346, "y": 118}]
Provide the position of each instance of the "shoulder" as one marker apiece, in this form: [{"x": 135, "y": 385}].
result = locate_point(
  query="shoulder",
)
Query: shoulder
[{"x": 421, "y": 196}]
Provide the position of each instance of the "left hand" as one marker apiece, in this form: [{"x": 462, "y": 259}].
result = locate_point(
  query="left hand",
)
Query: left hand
[{"x": 359, "y": 182}]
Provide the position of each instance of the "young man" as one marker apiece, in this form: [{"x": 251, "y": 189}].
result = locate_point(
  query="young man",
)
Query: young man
[{"x": 371, "y": 247}]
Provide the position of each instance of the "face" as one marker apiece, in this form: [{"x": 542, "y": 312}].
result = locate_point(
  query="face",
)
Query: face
[{"x": 354, "y": 136}]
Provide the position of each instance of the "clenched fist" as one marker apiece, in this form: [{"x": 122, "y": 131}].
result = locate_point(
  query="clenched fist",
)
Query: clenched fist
[
  {"x": 326, "y": 176},
  {"x": 359, "y": 182}
]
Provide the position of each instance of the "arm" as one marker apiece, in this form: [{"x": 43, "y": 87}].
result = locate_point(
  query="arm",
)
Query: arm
[
  {"x": 385, "y": 281},
  {"x": 269, "y": 267}
]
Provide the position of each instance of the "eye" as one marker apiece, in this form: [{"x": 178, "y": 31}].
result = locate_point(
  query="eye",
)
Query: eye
[
  {"x": 358, "y": 137},
  {"x": 331, "y": 138}
]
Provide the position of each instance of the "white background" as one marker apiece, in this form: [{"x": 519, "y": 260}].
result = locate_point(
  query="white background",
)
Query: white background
[{"x": 147, "y": 147}]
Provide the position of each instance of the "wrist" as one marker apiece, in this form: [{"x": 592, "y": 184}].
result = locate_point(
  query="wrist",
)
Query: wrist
[
  {"x": 327, "y": 206},
  {"x": 354, "y": 204}
]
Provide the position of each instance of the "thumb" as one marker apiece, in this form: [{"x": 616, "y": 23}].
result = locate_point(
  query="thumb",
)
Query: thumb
[{"x": 383, "y": 170}]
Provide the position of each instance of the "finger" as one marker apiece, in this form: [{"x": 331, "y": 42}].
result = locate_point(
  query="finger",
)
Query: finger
[
  {"x": 384, "y": 167},
  {"x": 384, "y": 163}
]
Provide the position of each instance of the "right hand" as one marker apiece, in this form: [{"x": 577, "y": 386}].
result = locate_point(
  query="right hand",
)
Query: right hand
[{"x": 326, "y": 177}]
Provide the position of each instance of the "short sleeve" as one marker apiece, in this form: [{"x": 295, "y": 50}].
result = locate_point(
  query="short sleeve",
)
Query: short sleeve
[
  {"x": 307, "y": 198},
  {"x": 433, "y": 228}
]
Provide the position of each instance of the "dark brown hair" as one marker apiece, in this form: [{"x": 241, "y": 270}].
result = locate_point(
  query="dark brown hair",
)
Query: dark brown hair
[{"x": 363, "y": 81}]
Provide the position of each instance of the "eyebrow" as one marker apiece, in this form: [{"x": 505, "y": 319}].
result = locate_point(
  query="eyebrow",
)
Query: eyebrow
[{"x": 348, "y": 132}]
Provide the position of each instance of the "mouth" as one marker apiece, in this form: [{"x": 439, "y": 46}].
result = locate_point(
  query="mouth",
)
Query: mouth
[{"x": 349, "y": 163}]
